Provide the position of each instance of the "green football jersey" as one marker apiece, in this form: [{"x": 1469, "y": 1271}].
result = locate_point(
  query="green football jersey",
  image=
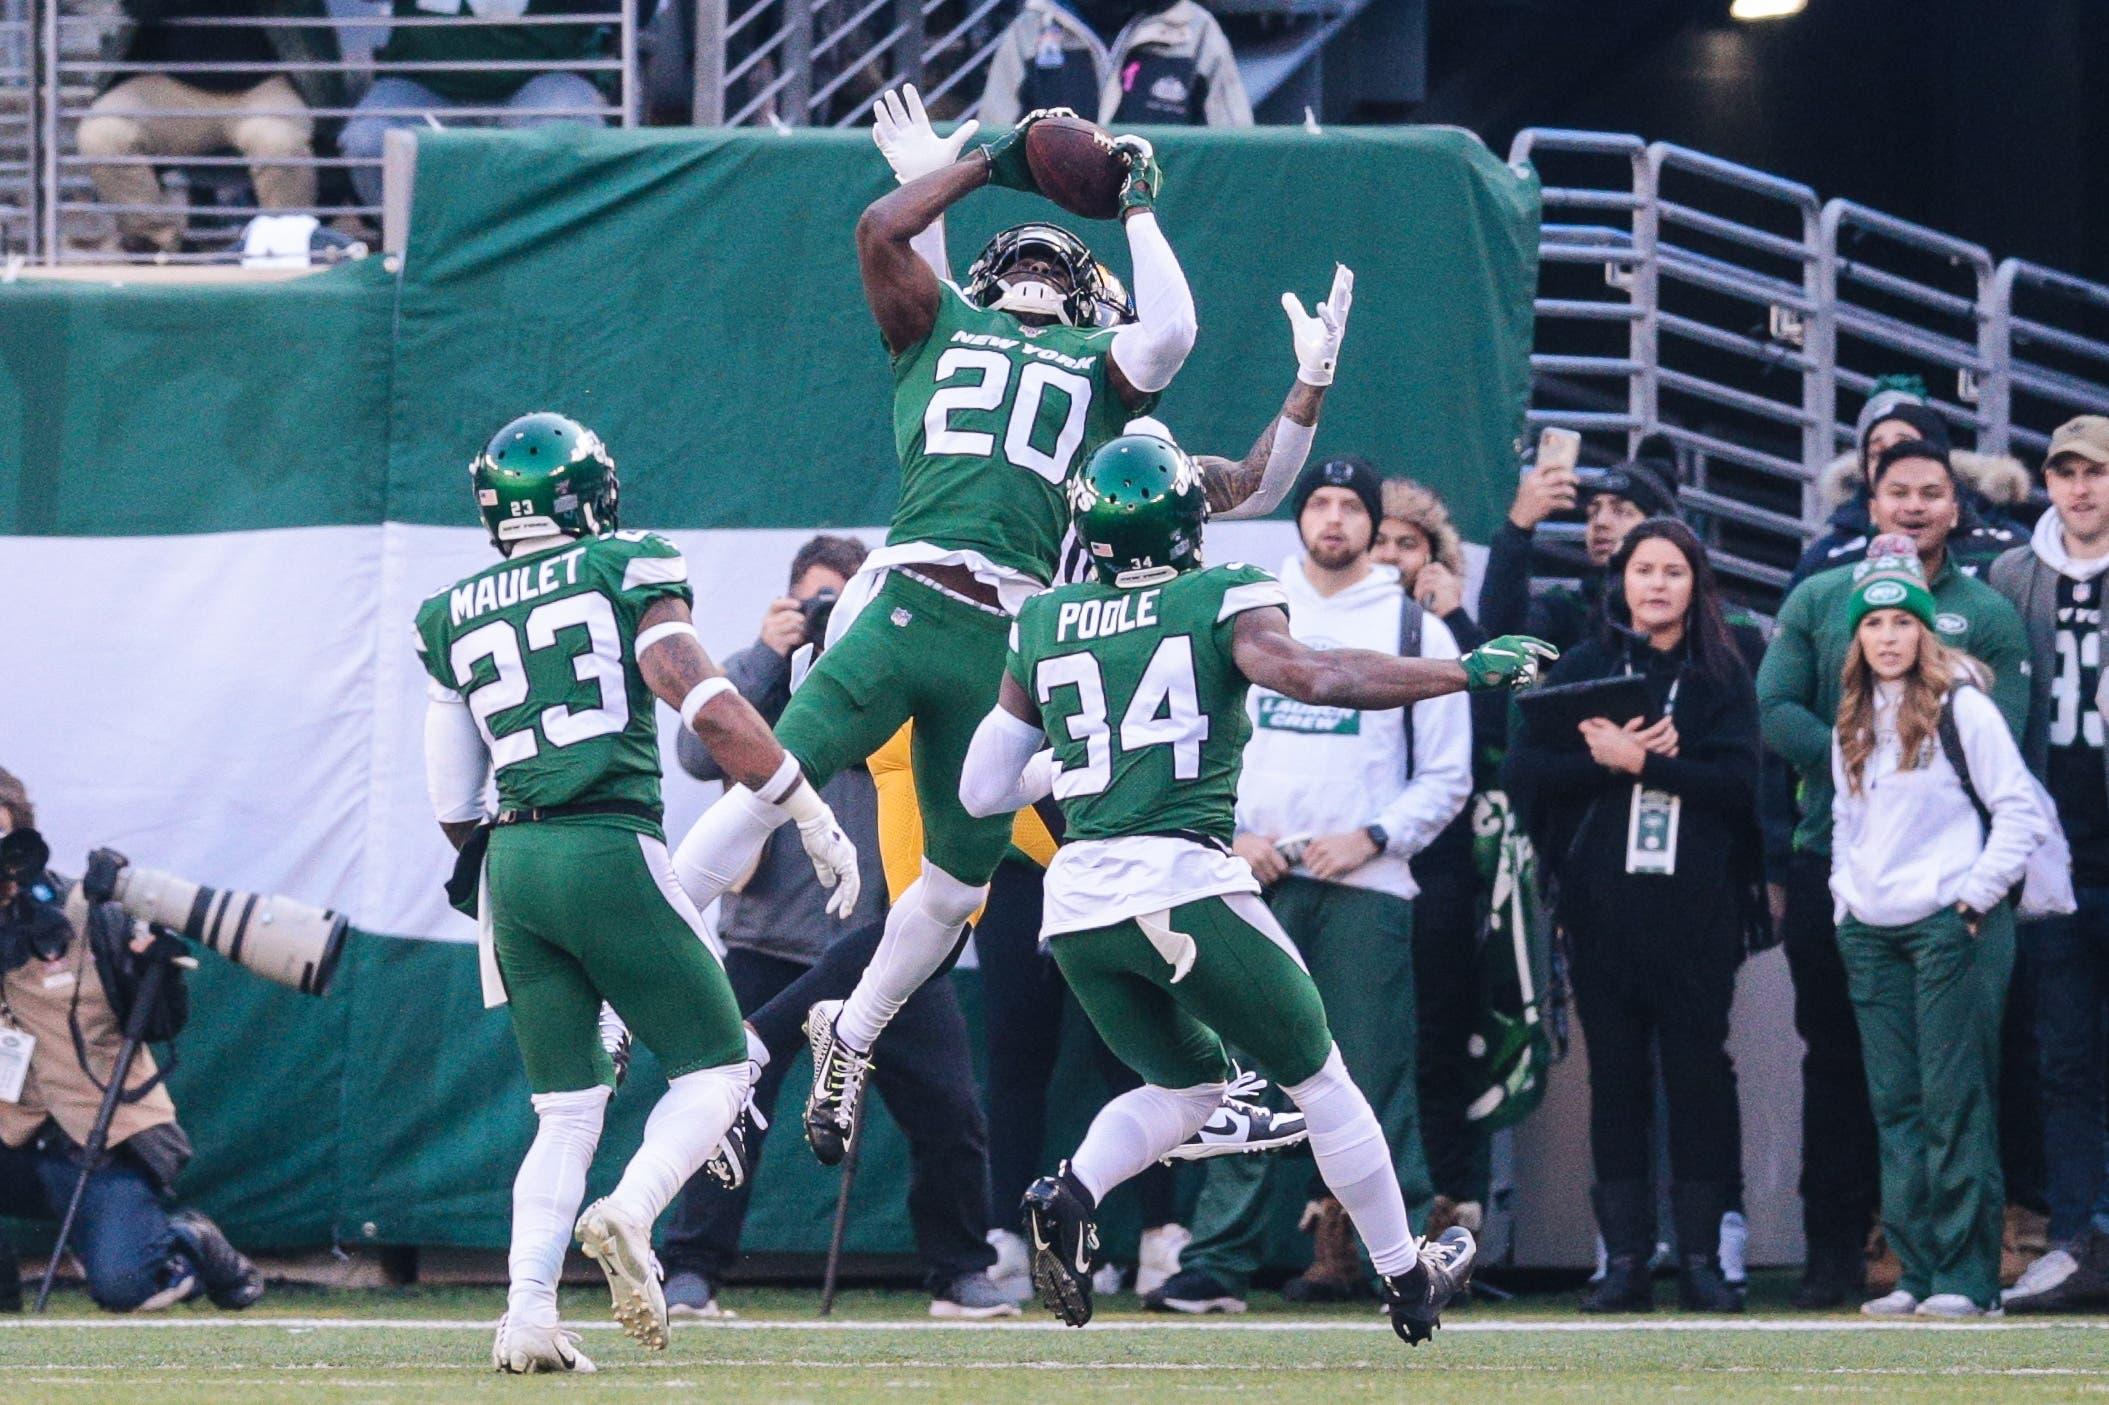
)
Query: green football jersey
[
  {"x": 544, "y": 651},
  {"x": 989, "y": 419},
  {"x": 1141, "y": 699}
]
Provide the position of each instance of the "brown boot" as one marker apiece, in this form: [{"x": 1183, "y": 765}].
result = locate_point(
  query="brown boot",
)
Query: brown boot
[
  {"x": 1883, "y": 1270},
  {"x": 1335, "y": 1274},
  {"x": 2025, "y": 1239}
]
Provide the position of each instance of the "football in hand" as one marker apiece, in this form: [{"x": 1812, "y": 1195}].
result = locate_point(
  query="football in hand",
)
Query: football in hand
[{"x": 1074, "y": 164}]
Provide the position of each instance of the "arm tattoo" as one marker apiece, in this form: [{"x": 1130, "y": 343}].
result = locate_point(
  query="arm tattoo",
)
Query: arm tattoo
[{"x": 1227, "y": 484}]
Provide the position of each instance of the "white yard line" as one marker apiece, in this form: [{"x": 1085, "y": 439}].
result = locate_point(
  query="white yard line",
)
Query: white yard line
[{"x": 1214, "y": 1324}]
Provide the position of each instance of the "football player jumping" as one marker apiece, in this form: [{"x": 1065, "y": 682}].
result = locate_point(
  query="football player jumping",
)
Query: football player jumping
[
  {"x": 1139, "y": 680},
  {"x": 546, "y": 666},
  {"x": 1000, "y": 389}
]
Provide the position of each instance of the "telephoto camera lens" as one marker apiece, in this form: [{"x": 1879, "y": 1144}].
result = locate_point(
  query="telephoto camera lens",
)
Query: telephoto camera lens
[{"x": 289, "y": 942}]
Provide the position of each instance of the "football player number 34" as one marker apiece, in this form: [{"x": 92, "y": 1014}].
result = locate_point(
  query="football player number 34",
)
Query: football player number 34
[
  {"x": 505, "y": 686},
  {"x": 986, "y": 379},
  {"x": 1165, "y": 711}
]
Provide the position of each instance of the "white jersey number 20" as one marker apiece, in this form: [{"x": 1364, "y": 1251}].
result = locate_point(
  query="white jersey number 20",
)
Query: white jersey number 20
[
  {"x": 1165, "y": 711},
  {"x": 986, "y": 393}
]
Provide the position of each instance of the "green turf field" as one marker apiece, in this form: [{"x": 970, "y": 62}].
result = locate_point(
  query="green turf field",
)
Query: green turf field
[{"x": 425, "y": 1345}]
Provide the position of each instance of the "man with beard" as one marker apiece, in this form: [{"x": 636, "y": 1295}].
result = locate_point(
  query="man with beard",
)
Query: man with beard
[{"x": 1333, "y": 806}]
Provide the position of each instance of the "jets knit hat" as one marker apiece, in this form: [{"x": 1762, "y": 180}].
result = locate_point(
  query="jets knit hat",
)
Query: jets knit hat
[
  {"x": 1350, "y": 471},
  {"x": 1891, "y": 582}
]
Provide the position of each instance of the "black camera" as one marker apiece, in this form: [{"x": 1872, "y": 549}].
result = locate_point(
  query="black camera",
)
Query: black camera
[
  {"x": 818, "y": 611},
  {"x": 32, "y": 922}
]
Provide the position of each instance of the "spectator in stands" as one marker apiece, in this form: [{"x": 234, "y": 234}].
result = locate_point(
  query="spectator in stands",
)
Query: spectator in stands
[
  {"x": 1121, "y": 62},
  {"x": 263, "y": 116},
  {"x": 140, "y": 1251},
  {"x": 775, "y": 928},
  {"x": 1333, "y": 806},
  {"x": 1987, "y": 484},
  {"x": 2056, "y": 583},
  {"x": 1688, "y": 769},
  {"x": 1615, "y": 500},
  {"x": 514, "y": 97},
  {"x": 1914, "y": 494},
  {"x": 1927, "y": 931},
  {"x": 1417, "y": 539}
]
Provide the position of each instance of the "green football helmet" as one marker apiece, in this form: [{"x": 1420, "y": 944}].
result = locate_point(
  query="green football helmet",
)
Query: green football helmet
[
  {"x": 544, "y": 473},
  {"x": 1138, "y": 506}
]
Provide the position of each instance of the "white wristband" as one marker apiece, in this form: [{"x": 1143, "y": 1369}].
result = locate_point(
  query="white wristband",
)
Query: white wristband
[
  {"x": 699, "y": 695},
  {"x": 788, "y": 790},
  {"x": 662, "y": 631}
]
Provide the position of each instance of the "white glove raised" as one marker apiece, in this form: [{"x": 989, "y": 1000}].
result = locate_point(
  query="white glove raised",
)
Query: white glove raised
[
  {"x": 907, "y": 140},
  {"x": 1318, "y": 338}
]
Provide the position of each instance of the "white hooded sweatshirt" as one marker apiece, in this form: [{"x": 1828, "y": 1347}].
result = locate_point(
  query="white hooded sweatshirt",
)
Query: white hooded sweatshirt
[
  {"x": 1311, "y": 770},
  {"x": 1910, "y": 843}
]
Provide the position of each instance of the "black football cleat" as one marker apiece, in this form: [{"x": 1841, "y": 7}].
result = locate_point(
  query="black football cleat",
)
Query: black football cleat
[
  {"x": 1417, "y": 1298},
  {"x": 839, "y": 1075},
  {"x": 1061, "y": 1238},
  {"x": 733, "y": 1161}
]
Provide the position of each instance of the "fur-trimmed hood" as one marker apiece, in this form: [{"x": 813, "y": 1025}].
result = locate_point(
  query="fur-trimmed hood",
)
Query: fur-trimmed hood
[{"x": 1998, "y": 478}]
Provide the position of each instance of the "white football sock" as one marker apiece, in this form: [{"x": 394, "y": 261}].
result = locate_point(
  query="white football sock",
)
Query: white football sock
[
  {"x": 685, "y": 1127},
  {"x": 724, "y": 844},
  {"x": 921, "y": 931},
  {"x": 1136, "y": 1129},
  {"x": 546, "y": 1196},
  {"x": 1348, "y": 1144},
  {"x": 757, "y": 1052}
]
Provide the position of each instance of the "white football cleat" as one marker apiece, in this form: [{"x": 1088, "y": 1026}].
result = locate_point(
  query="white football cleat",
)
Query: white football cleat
[
  {"x": 623, "y": 1249},
  {"x": 526, "y": 1350}
]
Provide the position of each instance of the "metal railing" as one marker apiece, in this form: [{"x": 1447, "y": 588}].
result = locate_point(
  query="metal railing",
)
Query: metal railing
[
  {"x": 76, "y": 206},
  {"x": 1731, "y": 312},
  {"x": 799, "y": 63}
]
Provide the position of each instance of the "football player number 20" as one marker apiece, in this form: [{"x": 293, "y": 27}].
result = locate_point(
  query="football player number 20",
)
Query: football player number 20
[
  {"x": 1165, "y": 711},
  {"x": 991, "y": 380},
  {"x": 506, "y": 685}
]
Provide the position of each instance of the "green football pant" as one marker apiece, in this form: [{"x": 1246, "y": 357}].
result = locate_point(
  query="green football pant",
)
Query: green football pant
[
  {"x": 583, "y": 912},
  {"x": 1929, "y": 999},
  {"x": 1243, "y": 985},
  {"x": 1358, "y": 946},
  {"x": 913, "y": 652}
]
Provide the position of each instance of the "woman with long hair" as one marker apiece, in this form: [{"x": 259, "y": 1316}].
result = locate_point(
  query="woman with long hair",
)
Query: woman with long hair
[
  {"x": 1648, "y": 831},
  {"x": 1926, "y": 929}
]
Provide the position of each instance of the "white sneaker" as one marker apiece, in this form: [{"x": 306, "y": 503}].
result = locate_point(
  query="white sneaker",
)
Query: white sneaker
[
  {"x": 1897, "y": 1304},
  {"x": 524, "y": 1349},
  {"x": 2042, "y": 1277},
  {"x": 1734, "y": 1248},
  {"x": 1012, "y": 1271},
  {"x": 1160, "y": 1255},
  {"x": 1954, "y": 1307},
  {"x": 623, "y": 1249},
  {"x": 1107, "y": 1280}
]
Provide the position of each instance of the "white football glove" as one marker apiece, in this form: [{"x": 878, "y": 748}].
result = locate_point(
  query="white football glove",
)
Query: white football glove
[
  {"x": 1318, "y": 338},
  {"x": 907, "y": 140},
  {"x": 834, "y": 860}
]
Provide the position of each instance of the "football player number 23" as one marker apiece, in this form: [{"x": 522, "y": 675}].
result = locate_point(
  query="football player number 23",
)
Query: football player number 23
[
  {"x": 1165, "y": 711},
  {"x": 991, "y": 381},
  {"x": 507, "y": 687}
]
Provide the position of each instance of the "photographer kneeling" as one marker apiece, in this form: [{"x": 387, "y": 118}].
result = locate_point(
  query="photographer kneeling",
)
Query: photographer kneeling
[{"x": 59, "y": 1040}]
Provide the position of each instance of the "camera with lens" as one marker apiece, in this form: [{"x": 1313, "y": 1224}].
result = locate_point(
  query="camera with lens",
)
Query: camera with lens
[
  {"x": 818, "y": 610},
  {"x": 291, "y": 943}
]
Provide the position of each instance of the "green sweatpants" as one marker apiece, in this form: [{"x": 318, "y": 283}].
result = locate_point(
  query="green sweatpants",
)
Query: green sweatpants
[
  {"x": 1929, "y": 998},
  {"x": 1359, "y": 948},
  {"x": 913, "y": 652},
  {"x": 579, "y": 916},
  {"x": 1242, "y": 986}
]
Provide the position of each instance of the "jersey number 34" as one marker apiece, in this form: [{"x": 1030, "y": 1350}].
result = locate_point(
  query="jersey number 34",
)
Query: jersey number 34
[{"x": 1164, "y": 711}]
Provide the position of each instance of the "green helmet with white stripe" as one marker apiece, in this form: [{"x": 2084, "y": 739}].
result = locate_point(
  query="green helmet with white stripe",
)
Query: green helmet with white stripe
[{"x": 545, "y": 473}]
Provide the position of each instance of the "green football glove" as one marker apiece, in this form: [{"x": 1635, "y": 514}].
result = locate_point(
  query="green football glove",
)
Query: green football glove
[
  {"x": 1512, "y": 661},
  {"x": 1145, "y": 176},
  {"x": 1005, "y": 152}
]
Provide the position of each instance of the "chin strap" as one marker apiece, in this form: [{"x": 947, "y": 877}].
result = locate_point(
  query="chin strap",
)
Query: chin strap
[{"x": 1033, "y": 297}]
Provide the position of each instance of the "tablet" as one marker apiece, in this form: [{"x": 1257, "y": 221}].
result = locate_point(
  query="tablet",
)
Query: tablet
[{"x": 1555, "y": 713}]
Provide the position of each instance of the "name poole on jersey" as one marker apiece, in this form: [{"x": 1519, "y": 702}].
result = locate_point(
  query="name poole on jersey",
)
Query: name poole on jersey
[{"x": 1097, "y": 619}]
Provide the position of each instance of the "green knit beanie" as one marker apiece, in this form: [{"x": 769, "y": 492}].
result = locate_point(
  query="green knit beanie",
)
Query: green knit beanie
[{"x": 1894, "y": 582}]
